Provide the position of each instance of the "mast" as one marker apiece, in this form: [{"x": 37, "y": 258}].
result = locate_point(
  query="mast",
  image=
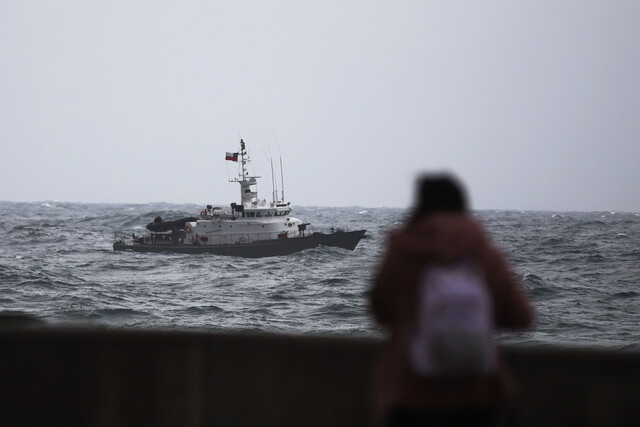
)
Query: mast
[
  {"x": 243, "y": 153},
  {"x": 281, "y": 177},
  {"x": 281, "y": 172},
  {"x": 248, "y": 195},
  {"x": 274, "y": 191}
]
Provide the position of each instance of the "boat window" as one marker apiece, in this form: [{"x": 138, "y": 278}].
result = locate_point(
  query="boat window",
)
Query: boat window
[
  {"x": 251, "y": 214},
  {"x": 259, "y": 214}
]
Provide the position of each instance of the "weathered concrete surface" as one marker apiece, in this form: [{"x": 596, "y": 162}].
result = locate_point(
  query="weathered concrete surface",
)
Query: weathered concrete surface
[
  {"x": 82, "y": 377},
  {"x": 106, "y": 378},
  {"x": 579, "y": 387}
]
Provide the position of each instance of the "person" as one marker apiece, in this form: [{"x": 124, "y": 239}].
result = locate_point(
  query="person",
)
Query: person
[{"x": 440, "y": 231}]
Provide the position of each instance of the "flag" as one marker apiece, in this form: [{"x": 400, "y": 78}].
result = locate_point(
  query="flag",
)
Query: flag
[{"x": 232, "y": 156}]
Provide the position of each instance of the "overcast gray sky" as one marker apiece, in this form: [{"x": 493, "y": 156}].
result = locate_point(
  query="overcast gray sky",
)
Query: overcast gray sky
[{"x": 534, "y": 104}]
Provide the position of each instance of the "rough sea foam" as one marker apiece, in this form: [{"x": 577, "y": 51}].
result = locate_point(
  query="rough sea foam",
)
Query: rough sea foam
[{"x": 582, "y": 270}]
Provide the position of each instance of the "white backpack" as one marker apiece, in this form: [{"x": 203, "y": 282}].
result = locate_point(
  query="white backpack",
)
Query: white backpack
[{"x": 454, "y": 332}]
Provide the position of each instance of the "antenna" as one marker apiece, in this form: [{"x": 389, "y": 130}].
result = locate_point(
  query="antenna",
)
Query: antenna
[
  {"x": 274, "y": 191},
  {"x": 281, "y": 172},
  {"x": 274, "y": 183},
  {"x": 282, "y": 179}
]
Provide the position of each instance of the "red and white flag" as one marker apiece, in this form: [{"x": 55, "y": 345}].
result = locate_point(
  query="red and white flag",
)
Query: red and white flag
[{"x": 232, "y": 156}]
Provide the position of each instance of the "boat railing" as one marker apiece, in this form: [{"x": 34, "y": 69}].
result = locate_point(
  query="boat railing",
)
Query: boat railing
[
  {"x": 138, "y": 237},
  {"x": 120, "y": 237},
  {"x": 327, "y": 230},
  {"x": 125, "y": 238}
]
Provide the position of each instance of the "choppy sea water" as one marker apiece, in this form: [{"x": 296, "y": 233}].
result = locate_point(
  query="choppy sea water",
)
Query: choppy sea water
[{"x": 581, "y": 270}]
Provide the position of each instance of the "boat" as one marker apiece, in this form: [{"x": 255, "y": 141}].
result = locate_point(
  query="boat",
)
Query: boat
[{"x": 253, "y": 228}]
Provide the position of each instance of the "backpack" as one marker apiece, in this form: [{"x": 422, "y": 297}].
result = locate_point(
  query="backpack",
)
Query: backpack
[{"x": 453, "y": 336}]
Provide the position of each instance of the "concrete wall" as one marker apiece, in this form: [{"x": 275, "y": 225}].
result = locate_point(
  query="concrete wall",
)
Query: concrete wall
[{"x": 105, "y": 378}]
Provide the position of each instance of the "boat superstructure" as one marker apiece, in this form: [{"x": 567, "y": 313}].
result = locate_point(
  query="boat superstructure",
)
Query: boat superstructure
[{"x": 252, "y": 228}]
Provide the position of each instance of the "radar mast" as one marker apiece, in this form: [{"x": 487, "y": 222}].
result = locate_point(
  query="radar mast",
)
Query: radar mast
[{"x": 248, "y": 195}]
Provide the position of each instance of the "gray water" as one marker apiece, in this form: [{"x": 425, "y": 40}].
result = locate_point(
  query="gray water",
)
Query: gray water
[{"x": 582, "y": 271}]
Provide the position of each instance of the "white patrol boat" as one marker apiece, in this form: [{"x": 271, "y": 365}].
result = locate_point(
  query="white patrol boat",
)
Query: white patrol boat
[{"x": 252, "y": 228}]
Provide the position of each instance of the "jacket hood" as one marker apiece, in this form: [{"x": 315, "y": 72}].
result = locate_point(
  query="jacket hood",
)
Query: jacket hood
[{"x": 441, "y": 238}]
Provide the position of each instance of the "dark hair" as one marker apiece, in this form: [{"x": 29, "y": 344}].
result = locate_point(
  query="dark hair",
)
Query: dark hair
[{"x": 438, "y": 193}]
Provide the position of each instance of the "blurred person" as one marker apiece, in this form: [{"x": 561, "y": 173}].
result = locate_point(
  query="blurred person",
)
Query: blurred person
[{"x": 440, "y": 290}]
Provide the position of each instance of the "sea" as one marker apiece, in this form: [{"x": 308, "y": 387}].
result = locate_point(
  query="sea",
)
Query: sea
[{"x": 57, "y": 265}]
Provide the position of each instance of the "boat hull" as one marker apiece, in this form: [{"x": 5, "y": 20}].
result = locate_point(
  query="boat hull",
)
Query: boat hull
[{"x": 263, "y": 248}]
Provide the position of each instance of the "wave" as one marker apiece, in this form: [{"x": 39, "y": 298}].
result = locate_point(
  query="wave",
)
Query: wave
[
  {"x": 200, "y": 310},
  {"x": 624, "y": 295},
  {"x": 340, "y": 310},
  {"x": 580, "y": 270}
]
